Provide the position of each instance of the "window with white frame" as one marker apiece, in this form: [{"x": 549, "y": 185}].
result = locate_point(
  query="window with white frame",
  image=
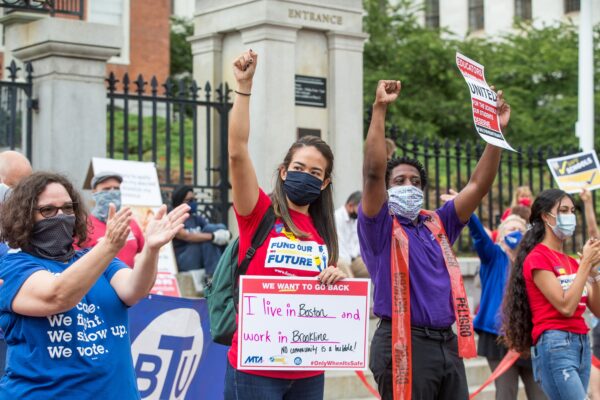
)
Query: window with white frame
[
  {"x": 113, "y": 12},
  {"x": 523, "y": 9},
  {"x": 572, "y": 6},
  {"x": 476, "y": 21},
  {"x": 432, "y": 13}
]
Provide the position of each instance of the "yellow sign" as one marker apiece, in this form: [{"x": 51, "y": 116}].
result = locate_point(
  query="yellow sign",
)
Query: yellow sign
[{"x": 576, "y": 171}]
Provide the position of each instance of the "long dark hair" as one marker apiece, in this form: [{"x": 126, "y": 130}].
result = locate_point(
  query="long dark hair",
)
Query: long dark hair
[
  {"x": 321, "y": 210},
  {"x": 17, "y": 212},
  {"x": 517, "y": 321}
]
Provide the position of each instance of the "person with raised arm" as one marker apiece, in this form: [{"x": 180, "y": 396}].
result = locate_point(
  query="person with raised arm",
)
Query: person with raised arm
[
  {"x": 418, "y": 290},
  {"x": 302, "y": 202}
]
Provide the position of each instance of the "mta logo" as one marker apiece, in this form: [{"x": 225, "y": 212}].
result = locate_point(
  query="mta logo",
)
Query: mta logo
[{"x": 254, "y": 360}]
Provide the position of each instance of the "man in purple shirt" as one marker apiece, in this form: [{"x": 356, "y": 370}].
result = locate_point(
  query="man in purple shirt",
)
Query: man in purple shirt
[{"x": 395, "y": 190}]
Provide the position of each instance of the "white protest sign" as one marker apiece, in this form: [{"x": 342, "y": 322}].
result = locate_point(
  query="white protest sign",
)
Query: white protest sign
[
  {"x": 140, "y": 185},
  {"x": 140, "y": 190},
  {"x": 288, "y": 323},
  {"x": 576, "y": 171},
  {"x": 483, "y": 101}
]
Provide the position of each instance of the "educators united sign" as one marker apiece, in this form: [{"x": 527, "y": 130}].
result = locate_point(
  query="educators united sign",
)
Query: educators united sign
[{"x": 300, "y": 324}]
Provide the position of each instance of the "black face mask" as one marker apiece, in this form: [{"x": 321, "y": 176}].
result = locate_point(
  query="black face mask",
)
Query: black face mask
[
  {"x": 302, "y": 188},
  {"x": 52, "y": 238},
  {"x": 353, "y": 215}
]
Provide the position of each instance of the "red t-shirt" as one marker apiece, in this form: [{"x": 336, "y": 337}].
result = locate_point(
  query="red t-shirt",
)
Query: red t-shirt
[
  {"x": 279, "y": 263},
  {"x": 545, "y": 316},
  {"x": 134, "y": 244}
]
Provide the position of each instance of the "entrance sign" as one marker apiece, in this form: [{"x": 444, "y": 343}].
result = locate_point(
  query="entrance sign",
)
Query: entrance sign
[
  {"x": 483, "y": 101},
  {"x": 576, "y": 171},
  {"x": 140, "y": 190},
  {"x": 288, "y": 323}
]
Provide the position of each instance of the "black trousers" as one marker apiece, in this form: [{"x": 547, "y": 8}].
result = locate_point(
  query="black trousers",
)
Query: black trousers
[{"x": 438, "y": 373}]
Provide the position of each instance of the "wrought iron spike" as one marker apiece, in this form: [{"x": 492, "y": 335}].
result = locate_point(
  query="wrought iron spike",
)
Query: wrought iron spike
[
  {"x": 194, "y": 88},
  {"x": 126, "y": 82},
  {"x": 140, "y": 83},
  {"x": 154, "y": 85},
  {"x": 112, "y": 82},
  {"x": 168, "y": 85},
  {"x": 13, "y": 70},
  {"x": 181, "y": 88}
]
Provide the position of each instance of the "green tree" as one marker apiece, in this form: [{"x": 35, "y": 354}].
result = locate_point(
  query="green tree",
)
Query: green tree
[
  {"x": 181, "y": 50},
  {"x": 536, "y": 68}
]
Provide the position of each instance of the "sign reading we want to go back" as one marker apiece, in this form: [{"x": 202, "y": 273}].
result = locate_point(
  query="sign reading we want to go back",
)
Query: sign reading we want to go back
[{"x": 288, "y": 323}]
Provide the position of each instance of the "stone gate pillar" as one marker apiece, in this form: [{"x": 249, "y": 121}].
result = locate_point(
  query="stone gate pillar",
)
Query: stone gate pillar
[
  {"x": 309, "y": 78},
  {"x": 69, "y": 62}
]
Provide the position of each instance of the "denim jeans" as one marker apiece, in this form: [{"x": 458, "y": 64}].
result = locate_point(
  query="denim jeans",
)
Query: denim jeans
[
  {"x": 561, "y": 364},
  {"x": 240, "y": 385},
  {"x": 200, "y": 255}
]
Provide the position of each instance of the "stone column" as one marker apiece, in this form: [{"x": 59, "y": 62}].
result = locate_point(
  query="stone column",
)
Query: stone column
[
  {"x": 206, "y": 50},
  {"x": 272, "y": 125},
  {"x": 69, "y": 62},
  {"x": 346, "y": 111}
]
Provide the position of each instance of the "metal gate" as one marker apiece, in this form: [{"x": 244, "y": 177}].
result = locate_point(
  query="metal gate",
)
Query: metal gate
[{"x": 179, "y": 126}]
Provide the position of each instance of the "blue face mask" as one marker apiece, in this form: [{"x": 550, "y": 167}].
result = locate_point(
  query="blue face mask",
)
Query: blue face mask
[
  {"x": 193, "y": 207},
  {"x": 302, "y": 188},
  {"x": 565, "y": 225},
  {"x": 103, "y": 198},
  {"x": 513, "y": 239}
]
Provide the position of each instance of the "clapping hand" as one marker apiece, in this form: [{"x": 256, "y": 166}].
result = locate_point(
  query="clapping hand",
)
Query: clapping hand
[
  {"x": 117, "y": 227},
  {"x": 162, "y": 228},
  {"x": 591, "y": 252}
]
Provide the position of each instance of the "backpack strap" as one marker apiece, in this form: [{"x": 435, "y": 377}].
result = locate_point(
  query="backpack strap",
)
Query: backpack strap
[
  {"x": 259, "y": 237},
  {"x": 267, "y": 222}
]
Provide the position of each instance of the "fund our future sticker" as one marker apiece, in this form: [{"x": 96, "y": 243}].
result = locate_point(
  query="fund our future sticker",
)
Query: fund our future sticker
[
  {"x": 483, "y": 102},
  {"x": 576, "y": 171}
]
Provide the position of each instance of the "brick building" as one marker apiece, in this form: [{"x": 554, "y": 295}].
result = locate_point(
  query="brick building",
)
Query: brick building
[{"x": 146, "y": 28}]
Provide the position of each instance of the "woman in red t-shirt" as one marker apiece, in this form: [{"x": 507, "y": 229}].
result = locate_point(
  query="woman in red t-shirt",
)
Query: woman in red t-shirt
[
  {"x": 546, "y": 296},
  {"x": 303, "y": 204}
]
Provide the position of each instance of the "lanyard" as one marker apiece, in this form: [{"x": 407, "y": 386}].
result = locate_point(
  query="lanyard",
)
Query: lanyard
[{"x": 401, "y": 334}]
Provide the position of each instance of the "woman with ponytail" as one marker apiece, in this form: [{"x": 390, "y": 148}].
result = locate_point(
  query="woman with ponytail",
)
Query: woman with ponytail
[
  {"x": 546, "y": 296},
  {"x": 302, "y": 202}
]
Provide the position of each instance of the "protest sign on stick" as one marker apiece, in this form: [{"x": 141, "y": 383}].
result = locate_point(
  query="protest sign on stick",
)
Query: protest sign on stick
[
  {"x": 483, "y": 101},
  {"x": 576, "y": 171},
  {"x": 288, "y": 323}
]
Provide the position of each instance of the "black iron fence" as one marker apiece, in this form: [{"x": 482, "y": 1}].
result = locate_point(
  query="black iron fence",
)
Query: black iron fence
[
  {"x": 449, "y": 164},
  {"x": 52, "y": 7},
  {"x": 16, "y": 106},
  {"x": 179, "y": 126}
]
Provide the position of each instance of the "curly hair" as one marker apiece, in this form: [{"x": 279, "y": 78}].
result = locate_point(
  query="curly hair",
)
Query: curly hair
[
  {"x": 394, "y": 162},
  {"x": 517, "y": 321},
  {"x": 17, "y": 212}
]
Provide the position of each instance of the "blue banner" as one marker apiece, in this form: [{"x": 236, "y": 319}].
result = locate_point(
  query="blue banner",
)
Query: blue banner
[{"x": 173, "y": 353}]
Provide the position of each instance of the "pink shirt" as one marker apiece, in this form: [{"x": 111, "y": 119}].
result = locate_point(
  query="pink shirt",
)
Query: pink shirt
[{"x": 134, "y": 244}]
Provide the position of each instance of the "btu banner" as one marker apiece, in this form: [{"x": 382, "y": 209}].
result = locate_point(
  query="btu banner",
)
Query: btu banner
[{"x": 173, "y": 353}]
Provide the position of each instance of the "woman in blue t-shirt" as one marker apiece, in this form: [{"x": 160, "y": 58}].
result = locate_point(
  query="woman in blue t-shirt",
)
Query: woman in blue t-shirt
[{"x": 64, "y": 312}]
